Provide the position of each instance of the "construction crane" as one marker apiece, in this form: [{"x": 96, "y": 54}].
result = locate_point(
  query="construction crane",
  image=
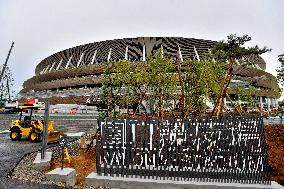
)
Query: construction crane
[
  {"x": 2, "y": 101},
  {"x": 5, "y": 64}
]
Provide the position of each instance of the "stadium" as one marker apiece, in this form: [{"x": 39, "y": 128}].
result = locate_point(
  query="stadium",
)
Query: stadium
[{"x": 73, "y": 76}]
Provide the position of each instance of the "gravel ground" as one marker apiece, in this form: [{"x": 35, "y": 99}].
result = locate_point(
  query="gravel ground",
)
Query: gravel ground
[
  {"x": 16, "y": 172},
  {"x": 25, "y": 172},
  {"x": 11, "y": 152}
]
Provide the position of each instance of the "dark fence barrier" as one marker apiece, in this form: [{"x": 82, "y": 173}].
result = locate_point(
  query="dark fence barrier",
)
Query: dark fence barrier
[{"x": 229, "y": 149}]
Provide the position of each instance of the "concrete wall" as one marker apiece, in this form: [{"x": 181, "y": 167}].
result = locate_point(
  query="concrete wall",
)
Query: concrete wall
[{"x": 128, "y": 183}]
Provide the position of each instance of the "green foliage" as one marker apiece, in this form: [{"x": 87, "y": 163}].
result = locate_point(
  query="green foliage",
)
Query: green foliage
[
  {"x": 162, "y": 79},
  {"x": 202, "y": 80},
  {"x": 245, "y": 94},
  {"x": 231, "y": 51},
  {"x": 234, "y": 48},
  {"x": 280, "y": 72},
  {"x": 126, "y": 83},
  {"x": 281, "y": 104},
  {"x": 123, "y": 84},
  {"x": 102, "y": 114}
]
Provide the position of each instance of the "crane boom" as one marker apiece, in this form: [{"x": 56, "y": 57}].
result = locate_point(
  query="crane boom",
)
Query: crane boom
[{"x": 5, "y": 64}]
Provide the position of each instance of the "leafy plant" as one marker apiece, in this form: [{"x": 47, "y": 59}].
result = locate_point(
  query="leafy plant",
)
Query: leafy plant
[{"x": 230, "y": 51}]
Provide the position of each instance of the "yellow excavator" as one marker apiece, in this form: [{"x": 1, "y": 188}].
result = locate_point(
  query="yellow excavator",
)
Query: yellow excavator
[{"x": 28, "y": 126}]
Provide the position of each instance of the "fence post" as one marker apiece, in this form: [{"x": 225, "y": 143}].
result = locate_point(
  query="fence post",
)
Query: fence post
[
  {"x": 45, "y": 129},
  {"x": 98, "y": 147}
]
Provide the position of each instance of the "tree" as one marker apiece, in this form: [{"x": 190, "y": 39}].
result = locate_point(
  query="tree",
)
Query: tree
[
  {"x": 201, "y": 80},
  {"x": 245, "y": 94},
  {"x": 131, "y": 82},
  {"x": 163, "y": 80},
  {"x": 107, "y": 95},
  {"x": 280, "y": 71},
  {"x": 126, "y": 83},
  {"x": 232, "y": 50},
  {"x": 281, "y": 103}
]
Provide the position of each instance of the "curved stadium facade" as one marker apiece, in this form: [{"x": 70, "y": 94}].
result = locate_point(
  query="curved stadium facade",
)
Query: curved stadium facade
[{"x": 73, "y": 76}]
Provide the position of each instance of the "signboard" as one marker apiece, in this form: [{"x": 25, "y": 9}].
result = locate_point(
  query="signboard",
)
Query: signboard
[{"x": 31, "y": 101}]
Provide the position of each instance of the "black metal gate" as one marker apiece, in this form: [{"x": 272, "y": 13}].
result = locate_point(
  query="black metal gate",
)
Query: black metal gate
[{"x": 229, "y": 149}]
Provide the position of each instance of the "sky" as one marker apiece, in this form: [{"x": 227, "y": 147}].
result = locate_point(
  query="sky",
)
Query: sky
[{"x": 42, "y": 28}]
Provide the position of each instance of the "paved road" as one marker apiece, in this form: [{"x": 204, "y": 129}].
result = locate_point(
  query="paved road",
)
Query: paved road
[{"x": 11, "y": 152}]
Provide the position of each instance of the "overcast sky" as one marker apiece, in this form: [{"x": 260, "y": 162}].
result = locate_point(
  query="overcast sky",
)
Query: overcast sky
[{"x": 40, "y": 28}]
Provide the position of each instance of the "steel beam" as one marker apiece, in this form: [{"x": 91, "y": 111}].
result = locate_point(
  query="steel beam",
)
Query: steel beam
[
  {"x": 80, "y": 60},
  {"x": 51, "y": 67},
  {"x": 126, "y": 53},
  {"x": 180, "y": 55},
  {"x": 144, "y": 53},
  {"x": 68, "y": 62},
  {"x": 59, "y": 64},
  {"x": 94, "y": 57},
  {"x": 196, "y": 53},
  {"x": 109, "y": 55}
]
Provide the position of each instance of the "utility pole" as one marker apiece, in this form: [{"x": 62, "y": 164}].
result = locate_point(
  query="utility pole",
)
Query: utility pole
[{"x": 5, "y": 64}]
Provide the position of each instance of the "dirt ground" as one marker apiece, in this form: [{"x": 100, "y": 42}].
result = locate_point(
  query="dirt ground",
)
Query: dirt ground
[
  {"x": 84, "y": 163},
  {"x": 275, "y": 142}
]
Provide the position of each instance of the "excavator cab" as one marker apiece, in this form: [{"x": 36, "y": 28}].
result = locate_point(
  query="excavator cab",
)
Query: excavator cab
[{"x": 29, "y": 126}]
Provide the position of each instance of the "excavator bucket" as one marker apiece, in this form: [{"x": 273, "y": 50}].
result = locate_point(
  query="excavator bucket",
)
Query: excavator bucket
[{"x": 53, "y": 136}]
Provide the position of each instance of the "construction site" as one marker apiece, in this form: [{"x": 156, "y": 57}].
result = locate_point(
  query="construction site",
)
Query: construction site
[{"x": 141, "y": 94}]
